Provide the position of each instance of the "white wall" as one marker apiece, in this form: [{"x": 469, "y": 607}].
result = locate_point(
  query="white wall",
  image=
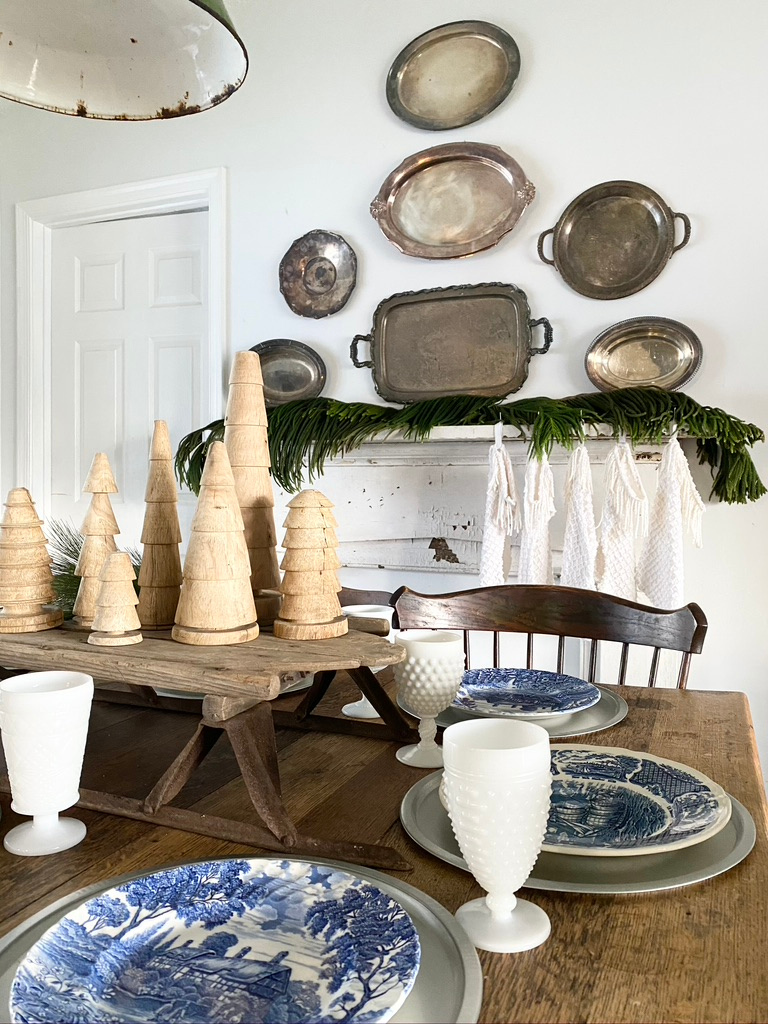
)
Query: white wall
[{"x": 669, "y": 94}]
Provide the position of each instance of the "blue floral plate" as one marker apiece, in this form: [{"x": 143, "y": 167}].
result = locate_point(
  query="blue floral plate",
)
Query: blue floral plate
[
  {"x": 610, "y": 802},
  {"x": 264, "y": 941},
  {"x": 523, "y": 693}
]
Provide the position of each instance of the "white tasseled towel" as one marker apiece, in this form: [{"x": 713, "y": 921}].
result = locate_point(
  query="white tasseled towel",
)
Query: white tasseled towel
[
  {"x": 625, "y": 517},
  {"x": 538, "y": 509},
  {"x": 677, "y": 507},
  {"x": 502, "y": 514},
  {"x": 580, "y": 541}
]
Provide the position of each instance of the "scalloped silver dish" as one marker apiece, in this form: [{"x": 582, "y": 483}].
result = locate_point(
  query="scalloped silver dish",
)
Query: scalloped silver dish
[
  {"x": 643, "y": 352},
  {"x": 452, "y": 200},
  {"x": 318, "y": 273},
  {"x": 453, "y": 75}
]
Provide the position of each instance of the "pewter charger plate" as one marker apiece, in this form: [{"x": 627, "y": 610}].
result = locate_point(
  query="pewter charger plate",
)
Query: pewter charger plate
[
  {"x": 448, "y": 987},
  {"x": 644, "y": 351},
  {"x": 609, "y": 710},
  {"x": 427, "y": 823}
]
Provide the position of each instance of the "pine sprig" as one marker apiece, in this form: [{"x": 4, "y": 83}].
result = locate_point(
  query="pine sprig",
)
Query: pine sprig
[{"x": 305, "y": 433}]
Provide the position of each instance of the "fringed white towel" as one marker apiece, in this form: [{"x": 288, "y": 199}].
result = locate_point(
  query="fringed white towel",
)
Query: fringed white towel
[
  {"x": 624, "y": 517},
  {"x": 677, "y": 508},
  {"x": 538, "y": 509},
  {"x": 502, "y": 513},
  {"x": 580, "y": 541}
]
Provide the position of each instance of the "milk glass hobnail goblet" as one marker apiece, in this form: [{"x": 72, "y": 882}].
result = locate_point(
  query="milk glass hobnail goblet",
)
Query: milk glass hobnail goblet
[
  {"x": 496, "y": 789},
  {"x": 363, "y": 708},
  {"x": 44, "y": 721},
  {"x": 428, "y": 680}
]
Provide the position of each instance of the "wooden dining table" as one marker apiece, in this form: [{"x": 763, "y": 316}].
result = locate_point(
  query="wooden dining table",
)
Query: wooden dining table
[{"x": 696, "y": 953}]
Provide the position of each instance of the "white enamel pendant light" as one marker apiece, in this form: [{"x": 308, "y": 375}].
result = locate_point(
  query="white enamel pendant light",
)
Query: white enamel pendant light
[{"x": 132, "y": 60}]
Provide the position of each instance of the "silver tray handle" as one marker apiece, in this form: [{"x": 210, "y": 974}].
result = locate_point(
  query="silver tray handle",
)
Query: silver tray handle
[
  {"x": 353, "y": 350},
  {"x": 686, "y": 231},
  {"x": 551, "y": 231},
  {"x": 547, "y": 335}
]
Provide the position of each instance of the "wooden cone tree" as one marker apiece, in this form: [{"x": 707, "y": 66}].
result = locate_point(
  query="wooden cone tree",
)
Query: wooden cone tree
[
  {"x": 216, "y": 604},
  {"x": 115, "y": 622},
  {"x": 160, "y": 573},
  {"x": 310, "y": 608},
  {"x": 245, "y": 436},
  {"x": 99, "y": 530},
  {"x": 26, "y": 580}
]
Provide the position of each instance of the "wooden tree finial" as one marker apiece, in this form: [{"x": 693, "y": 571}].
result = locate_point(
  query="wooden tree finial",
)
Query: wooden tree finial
[
  {"x": 115, "y": 622},
  {"x": 99, "y": 529},
  {"x": 26, "y": 580}
]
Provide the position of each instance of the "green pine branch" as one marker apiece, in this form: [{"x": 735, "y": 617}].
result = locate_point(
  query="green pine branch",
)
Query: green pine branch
[{"x": 305, "y": 433}]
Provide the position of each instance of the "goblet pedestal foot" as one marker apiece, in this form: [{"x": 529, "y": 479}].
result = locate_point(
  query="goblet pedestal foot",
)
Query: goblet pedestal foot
[
  {"x": 360, "y": 709},
  {"x": 46, "y": 833},
  {"x": 419, "y": 756},
  {"x": 524, "y": 927}
]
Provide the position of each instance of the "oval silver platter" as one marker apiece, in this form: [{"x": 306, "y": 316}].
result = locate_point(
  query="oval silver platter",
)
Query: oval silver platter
[
  {"x": 317, "y": 274},
  {"x": 452, "y": 200},
  {"x": 609, "y": 710},
  {"x": 448, "y": 988},
  {"x": 643, "y": 351},
  {"x": 453, "y": 75},
  {"x": 613, "y": 239},
  {"x": 291, "y": 370},
  {"x": 427, "y": 823},
  {"x": 472, "y": 339}
]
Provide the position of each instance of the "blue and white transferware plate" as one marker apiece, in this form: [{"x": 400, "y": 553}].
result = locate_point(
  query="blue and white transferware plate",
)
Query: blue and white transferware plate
[
  {"x": 263, "y": 941},
  {"x": 610, "y": 802},
  {"x": 523, "y": 693}
]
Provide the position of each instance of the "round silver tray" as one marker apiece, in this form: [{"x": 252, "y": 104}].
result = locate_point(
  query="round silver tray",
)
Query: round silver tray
[
  {"x": 318, "y": 273},
  {"x": 291, "y": 370},
  {"x": 427, "y": 823},
  {"x": 453, "y": 75},
  {"x": 609, "y": 710},
  {"x": 448, "y": 988},
  {"x": 641, "y": 352}
]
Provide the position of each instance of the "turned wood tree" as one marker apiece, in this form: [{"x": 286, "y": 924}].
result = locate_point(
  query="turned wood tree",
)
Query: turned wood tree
[
  {"x": 115, "y": 622},
  {"x": 26, "y": 580},
  {"x": 245, "y": 436},
  {"x": 310, "y": 608},
  {"x": 99, "y": 530},
  {"x": 160, "y": 572},
  {"x": 216, "y": 604}
]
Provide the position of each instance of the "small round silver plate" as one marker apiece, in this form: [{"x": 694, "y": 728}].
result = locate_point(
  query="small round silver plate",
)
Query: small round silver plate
[{"x": 318, "y": 273}]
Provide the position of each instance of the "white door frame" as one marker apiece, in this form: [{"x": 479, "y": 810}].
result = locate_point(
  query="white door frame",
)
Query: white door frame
[{"x": 36, "y": 221}]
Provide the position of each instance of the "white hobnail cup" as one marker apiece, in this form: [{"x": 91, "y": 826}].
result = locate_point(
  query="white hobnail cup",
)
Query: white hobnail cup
[
  {"x": 363, "y": 708},
  {"x": 496, "y": 788},
  {"x": 44, "y": 722},
  {"x": 428, "y": 679}
]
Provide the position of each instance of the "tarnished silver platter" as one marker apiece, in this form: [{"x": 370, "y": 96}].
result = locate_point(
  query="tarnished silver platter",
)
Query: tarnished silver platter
[
  {"x": 452, "y": 200},
  {"x": 644, "y": 351},
  {"x": 290, "y": 369},
  {"x": 461, "y": 340},
  {"x": 448, "y": 988},
  {"x": 426, "y": 821},
  {"x": 318, "y": 273},
  {"x": 453, "y": 75},
  {"x": 614, "y": 239}
]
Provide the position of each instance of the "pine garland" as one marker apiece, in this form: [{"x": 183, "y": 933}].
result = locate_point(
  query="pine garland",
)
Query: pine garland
[{"x": 303, "y": 434}]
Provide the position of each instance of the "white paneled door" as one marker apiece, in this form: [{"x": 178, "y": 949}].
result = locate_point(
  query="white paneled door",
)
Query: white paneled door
[{"x": 129, "y": 345}]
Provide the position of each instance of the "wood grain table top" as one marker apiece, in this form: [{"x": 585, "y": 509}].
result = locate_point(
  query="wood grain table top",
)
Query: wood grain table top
[{"x": 692, "y": 954}]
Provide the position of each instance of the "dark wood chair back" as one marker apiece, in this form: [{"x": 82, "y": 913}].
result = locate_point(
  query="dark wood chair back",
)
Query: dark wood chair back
[
  {"x": 347, "y": 595},
  {"x": 562, "y": 612}
]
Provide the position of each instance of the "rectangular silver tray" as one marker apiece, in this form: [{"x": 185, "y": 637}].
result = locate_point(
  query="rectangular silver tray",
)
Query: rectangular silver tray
[{"x": 462, "y": 340}]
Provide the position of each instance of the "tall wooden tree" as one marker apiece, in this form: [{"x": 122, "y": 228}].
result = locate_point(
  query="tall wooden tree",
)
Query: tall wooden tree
[
  {"x": 99, "y": 530},
  {"x": 160, "y": 572}
]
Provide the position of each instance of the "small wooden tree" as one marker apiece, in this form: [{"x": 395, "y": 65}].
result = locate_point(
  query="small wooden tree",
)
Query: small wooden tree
[
  {"x": 160, "y": 572},
  {"x": 245, "y": 436},
  {"x": 216, "y": 604},
  {"x": 26, "y": 580},
  {"x": 310, "y": 609},
  {"x": 99, "y": 530},
  {"x": 115, "y": 622}
]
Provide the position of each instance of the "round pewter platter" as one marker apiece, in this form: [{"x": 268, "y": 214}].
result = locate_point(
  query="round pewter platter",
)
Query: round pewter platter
[
  {"x": 609, "y": 710},
  {"x": 453, "y": 75},
  {"x": 291, "y": 370},
  {"x": 448, "y": 987},
  {"x": 427, "y": 823},
  {"x": 644, "y": 351},
  {"x": 318, "y": 273}
]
